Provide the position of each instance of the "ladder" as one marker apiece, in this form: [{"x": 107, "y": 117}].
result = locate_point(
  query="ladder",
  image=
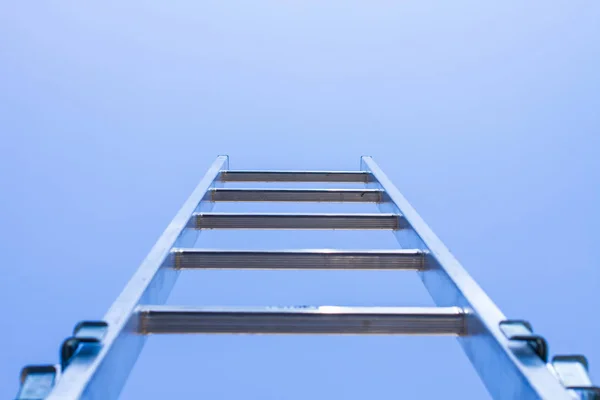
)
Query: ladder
[{"x": 511, "y": 360}]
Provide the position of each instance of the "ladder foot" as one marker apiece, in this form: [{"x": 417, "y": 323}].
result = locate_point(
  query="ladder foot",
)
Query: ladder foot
[
  {"x": 521, "y": 331},
  {"x": 572, "y": 371},
  {"x": 37, "y": 381}
]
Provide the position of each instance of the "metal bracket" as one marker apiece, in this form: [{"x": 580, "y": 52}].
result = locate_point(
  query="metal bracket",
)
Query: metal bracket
[
  {"x": 37, "y": 381},
  {"x": 572, "y": 371},
  {"x": 86, "y": 340},
  {"x": 520, "y": 330}
]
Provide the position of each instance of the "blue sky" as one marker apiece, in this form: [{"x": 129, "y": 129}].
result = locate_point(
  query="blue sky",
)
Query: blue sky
[{"x": 484, "y": 115}]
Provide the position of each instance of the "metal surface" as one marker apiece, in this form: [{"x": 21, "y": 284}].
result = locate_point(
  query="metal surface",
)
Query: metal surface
[
  {"x": 297, "y": 221},
  {"x": 303, "y": 320},
  {"x": 298, "y": 195},
  {"x": 509, "y": 371},
  {"x": 103, "y": 376},
  {"x": 295, "y": 176},
  {"x": 299, "y": 259}
]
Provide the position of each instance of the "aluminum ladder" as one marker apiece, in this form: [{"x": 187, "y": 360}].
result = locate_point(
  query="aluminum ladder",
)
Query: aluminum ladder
[{"x": 508, "y": 356}]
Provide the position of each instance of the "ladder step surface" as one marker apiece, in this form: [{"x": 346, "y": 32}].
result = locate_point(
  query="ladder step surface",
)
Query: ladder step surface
[
  {"x": 298, "y": 221},
  {"x": 296, "y": 176},
  {"x": 298, "y": 195},
  {"x": 299, "y": 259},
  {"x": 302, "y": 320}
]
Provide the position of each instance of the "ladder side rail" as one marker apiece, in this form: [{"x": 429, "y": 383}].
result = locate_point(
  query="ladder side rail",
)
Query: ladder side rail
[
  {"x": 505, "y": 375},
  {"x": 103, "y": 376}
]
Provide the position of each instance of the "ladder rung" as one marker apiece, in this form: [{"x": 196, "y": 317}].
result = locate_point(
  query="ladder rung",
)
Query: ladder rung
[
  {"x": 303, "y": 320},
  {"x": 296, "y": 176},
  {"x": 298, "y": 221},
  {"x": 299, "y": 259},
  {"x": 304, "y": 195}
]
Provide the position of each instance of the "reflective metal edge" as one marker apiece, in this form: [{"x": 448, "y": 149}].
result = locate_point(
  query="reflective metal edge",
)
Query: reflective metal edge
[
  {"x": 295, "y": 176},
  {"x": 302, "y": 320},
  {"x": 297, "y": 221},
  {"x": 299, "y": 259},
  {"x": 103, "y": 377},
  {"x": 298, "y": 195},
  {"x": 505, "y": 375}
]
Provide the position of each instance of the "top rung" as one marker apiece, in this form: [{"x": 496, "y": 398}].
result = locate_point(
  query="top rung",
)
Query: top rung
[{"x": 296, "y": 176}]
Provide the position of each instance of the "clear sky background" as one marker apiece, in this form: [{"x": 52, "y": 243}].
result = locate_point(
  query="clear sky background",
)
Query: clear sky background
[{"x": 484, "y": 114}]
